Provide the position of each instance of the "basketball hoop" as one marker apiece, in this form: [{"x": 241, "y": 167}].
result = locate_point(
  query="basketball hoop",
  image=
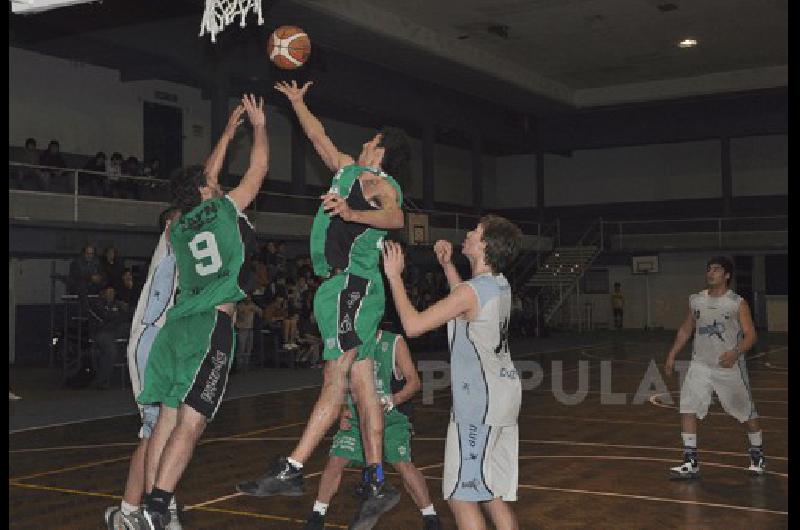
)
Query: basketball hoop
[{"x": 220, "y": 13}]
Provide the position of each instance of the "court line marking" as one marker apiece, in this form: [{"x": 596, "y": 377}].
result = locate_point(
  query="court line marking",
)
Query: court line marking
[
  {"x": 653, "y": 399},
  {"x": 621, "y": 457},
  {"x": 203, "y": 508},
  {"x": 653, "y": 358},
  {"x": 26, "y": 429},
  {"x": 602, "y": 420},
  {"x": 639, "y": 497},
  {"x": 127, "y": 457},
  {"x": 234, "y": 495}
]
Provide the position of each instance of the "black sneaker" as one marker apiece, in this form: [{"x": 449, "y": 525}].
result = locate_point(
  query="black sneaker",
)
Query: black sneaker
[
  {"x": 316, "y": 521},
  {"x": 379, "y": 500},
  {"x": 690, "y": 469},
  {"x": 431, "y": 522},
  {"x": 282, "y": 478},
  {"x": 758, "y": 464},
  {"x": 155, "y": 520}
]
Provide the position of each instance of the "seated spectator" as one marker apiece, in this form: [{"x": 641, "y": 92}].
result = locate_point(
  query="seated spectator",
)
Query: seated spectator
[
  {"x": 130, "y": 168},
  {"x": 245, "y": 311},
  {"x": 152, "y": 169},
  {"x": 81, "y": 271},
  {"x": 28, "y": 178},
  {"x": 129, "y": 290},
  {"x": 108, "y": 321},
  {"x": 53, "y": 179},
  {"x": 111, "y": 267},
  {"x": 276, "y": 316},
  {"x": 152, "y": 190},
  {"x": 114, "y": 171},
  {"x": 94, "y": 183},
  {"x": 270, "y": 259}
]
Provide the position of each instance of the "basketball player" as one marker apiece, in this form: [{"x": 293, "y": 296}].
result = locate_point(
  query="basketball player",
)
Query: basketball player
[
  {"x": 363, "y": 202},
  {"x": 158, "y": 295},
  {"x": 192, "y": 354},
  {"x": 392, "y": 364},
  {"x": 723, "y": 333},
  {"x": 482, "y": 447}
]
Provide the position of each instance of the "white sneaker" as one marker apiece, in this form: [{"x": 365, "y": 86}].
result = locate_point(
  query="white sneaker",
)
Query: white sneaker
[{"x": 688, "y": 470}]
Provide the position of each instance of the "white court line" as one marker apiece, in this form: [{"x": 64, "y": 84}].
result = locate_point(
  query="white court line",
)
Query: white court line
[
  {"x": 632, "y": 361},
  {"x": 15, "y": 431},
  {"x": 654, "y": 401}
]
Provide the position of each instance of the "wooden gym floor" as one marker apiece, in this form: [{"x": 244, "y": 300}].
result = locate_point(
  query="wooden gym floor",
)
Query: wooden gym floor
[{"x": 586, "y": 465}]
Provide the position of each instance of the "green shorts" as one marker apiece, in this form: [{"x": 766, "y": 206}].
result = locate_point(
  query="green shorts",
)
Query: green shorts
[
  {"x": 396, "y": 440},
  {"x": 349, "y": 309},
  {"x": 189, "y": 362}
]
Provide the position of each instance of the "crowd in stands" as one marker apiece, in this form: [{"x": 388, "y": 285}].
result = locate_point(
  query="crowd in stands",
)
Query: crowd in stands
[{"x": 101, "y": 175}]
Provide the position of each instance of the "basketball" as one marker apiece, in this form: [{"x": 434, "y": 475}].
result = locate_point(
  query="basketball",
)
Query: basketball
[{"x": 289, "y": 47}]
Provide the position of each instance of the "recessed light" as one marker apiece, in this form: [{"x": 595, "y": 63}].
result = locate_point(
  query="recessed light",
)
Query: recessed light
[{"x": 687, "y": 43}]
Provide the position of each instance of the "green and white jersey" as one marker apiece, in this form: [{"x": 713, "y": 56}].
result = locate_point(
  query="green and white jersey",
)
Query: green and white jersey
[
  {"x": 209, "y": 244},
  {"x": 351, "y": 247},
  {"x": 384, "y": 366}
]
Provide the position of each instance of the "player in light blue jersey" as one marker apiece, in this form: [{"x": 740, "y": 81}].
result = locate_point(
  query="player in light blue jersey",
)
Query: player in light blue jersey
[{"x": 481, "y": 455}]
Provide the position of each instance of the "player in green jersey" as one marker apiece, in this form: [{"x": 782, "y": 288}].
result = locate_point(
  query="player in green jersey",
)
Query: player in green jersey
[
  {"x": 192, "y": 354},
  {"x": 396, "y": 381},
  {"x": 363, "y": 202}
]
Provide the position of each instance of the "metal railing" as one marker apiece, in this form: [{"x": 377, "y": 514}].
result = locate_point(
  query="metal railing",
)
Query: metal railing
[{"x": 85, "y": 183}]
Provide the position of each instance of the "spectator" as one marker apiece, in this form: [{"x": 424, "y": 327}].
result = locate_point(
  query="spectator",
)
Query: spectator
[
  {"x": 245, "y": 311},
  {"x": 129, "y": 290},
  {"x": 152, "y": 190},
  {"x": 153, "y": 169},
  {"x": 131, "y": 167},
  {"x": 280, "y": 255},
  {"x": 82, "y": 270},
  {"x": 53, "y": 179},
  {"x": 114, "y": 171},
  {"x": 270, "y": 259},
  {"x": 112, "y": 267},
  {"x": 95, "y": 184},
  {"x": 304, "y": 268},
  {"x": 617, "y": 305},
  {"x": 28, "y": 178},
  {"x": 108, "y": 321}
]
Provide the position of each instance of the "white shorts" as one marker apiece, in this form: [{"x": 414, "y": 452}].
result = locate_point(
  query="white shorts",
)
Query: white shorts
[
  {"x": 732, "y": 386},
  {"x": 481, "y": 462}
]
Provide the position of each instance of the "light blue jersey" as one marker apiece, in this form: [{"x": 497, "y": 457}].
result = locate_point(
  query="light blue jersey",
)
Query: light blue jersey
[{"x": 485, "y": 384}]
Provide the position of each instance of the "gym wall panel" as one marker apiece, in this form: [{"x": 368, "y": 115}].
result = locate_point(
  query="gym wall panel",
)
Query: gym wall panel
[
  {"x": 279, "y": 132},
  {"x": 659, "y": 172},
  {"x": 760, "y": 165},
  {"x": 88, "y": 109},
  {"x": 515, "y": 182}
]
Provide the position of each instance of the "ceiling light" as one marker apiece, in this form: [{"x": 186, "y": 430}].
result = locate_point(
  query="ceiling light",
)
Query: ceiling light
[{"x": 687, "y": 43}]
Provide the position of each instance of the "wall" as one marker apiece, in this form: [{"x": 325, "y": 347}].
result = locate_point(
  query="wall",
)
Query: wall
[
  {"x": 626, "y": 174},
  {"x": 515, "y": 182},
  {"x": 759, "y": 165},
  {"x": 88, "y": 109}
]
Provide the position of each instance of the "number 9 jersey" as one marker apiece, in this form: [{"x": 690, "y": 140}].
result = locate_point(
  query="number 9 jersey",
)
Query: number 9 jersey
[{"x": 211, "y": 242}]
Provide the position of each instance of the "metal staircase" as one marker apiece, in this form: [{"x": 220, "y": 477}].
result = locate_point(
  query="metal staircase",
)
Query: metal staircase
[{"x": 557, "y": 276}]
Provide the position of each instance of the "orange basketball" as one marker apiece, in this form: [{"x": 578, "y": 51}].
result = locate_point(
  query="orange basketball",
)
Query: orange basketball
[{"x": 289, "y": 47}]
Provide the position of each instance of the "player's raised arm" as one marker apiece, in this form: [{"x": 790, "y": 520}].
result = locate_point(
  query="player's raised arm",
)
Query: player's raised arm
[
  {"x": 251, "y": 182},
  {"x": 461, "y": 302},
  {"x": 315, "y": 131},
  {"x": 444, "y": 254},
  {"x": 214, "y": 161}
]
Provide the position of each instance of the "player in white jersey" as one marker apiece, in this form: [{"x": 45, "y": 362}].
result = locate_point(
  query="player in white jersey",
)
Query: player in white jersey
[
  {"x": 723, "y": 333},
  {"x": 481, "y": 455}
]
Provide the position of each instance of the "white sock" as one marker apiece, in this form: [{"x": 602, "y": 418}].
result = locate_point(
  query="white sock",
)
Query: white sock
[
  {"x": 295, "y": 463},
  {"x": 320, "y": 507},
  {"x": 173, "y": 504},
  {"x": 128, "y": 509},
  {"x": 428, "y": 510},
  {"x": 689, "y": 440},
  {"x": 755, "y": 439}
]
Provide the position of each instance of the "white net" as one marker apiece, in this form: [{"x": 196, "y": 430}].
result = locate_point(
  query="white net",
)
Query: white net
[{"x": 220, "y": 13}]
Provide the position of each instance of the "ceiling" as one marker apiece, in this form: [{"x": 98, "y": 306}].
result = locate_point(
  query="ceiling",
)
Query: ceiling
[{"x": 491, "y": 64}]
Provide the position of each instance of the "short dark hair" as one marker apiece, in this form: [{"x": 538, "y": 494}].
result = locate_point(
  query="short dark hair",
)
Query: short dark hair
[
  {"x": 724, "y": 262},
  {"x": 165, "y": 215},
  {"x": 397, "y": 154},
  {"x": 30, "y": 141},
  {"x": 502, "y": 238},
  {"x": 185, "y": 187}
]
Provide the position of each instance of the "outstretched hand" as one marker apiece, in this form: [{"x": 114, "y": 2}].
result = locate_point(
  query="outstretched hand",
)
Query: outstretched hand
[
  {"x": 334, "y": 204},
  {"x": 235, "y": 120},
  {"x": 292, "y": 91},
  {"x": 393, "y": 259},
  {"x": 255, "y": 110}
]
